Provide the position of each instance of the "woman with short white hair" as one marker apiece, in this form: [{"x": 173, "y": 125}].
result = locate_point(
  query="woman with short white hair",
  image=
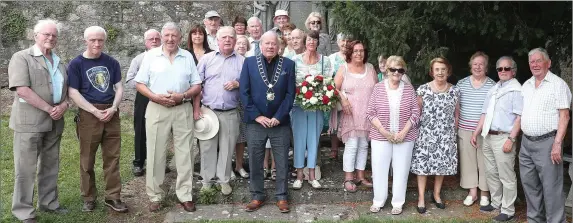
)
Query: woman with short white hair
[{"x": 314, "y": 23}]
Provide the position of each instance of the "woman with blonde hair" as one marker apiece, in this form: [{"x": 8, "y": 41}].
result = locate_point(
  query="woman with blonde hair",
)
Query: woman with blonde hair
[
  {"x": 314, "y": 23},
  {"x": 435, "y": 151},
  {"x": 394, "y": 113}
]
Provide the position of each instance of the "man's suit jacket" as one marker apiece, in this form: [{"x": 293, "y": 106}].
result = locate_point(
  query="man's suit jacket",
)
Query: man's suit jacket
[
  {"x": 254, "y": 92},
  {"x": 25, "y": 69}
]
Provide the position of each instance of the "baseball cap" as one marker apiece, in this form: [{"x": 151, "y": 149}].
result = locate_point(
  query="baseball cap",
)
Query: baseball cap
[
  {"x": 280, "y": 12},
  {"x": 210, "y": 14}
]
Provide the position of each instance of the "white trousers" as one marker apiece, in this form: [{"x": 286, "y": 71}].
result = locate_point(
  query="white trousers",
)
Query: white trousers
[
  {"x": 384, "y": 152},
  {"x": 355, "y": 154}
]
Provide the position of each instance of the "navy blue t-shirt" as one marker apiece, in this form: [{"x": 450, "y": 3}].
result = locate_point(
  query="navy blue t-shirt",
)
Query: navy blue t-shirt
[{"x": 95, "y": 78}]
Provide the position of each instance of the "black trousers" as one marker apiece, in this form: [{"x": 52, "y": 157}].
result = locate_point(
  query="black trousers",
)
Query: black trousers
[{"x": 139, "y": 127}]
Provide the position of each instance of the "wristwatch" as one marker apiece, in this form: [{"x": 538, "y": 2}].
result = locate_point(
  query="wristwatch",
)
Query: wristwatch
[{"x": 511, "y": 139}]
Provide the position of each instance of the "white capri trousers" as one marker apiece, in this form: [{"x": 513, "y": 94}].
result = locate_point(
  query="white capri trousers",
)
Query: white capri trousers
[
  {"x": 355, "y": 154},
  {"x": 400, "y": 155}
]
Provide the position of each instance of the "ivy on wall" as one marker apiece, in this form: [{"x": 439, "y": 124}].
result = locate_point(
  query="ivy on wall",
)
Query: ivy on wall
[
  {"x": 112, "y": 33},
  {"x": 13, "y": 26}
]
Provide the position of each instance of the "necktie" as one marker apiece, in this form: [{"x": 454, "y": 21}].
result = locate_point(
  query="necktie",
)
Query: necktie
[{"x": 257, "y": 47}]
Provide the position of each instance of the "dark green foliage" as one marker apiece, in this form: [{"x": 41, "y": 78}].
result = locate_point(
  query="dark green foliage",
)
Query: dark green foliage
[
  {"x": 420, "y": 31},
  {"x": 13, "y": 26}
]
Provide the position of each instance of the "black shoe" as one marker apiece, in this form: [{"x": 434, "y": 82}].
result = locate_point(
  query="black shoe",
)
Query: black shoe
[
  {"x": 439, "y": 205},
  {"x": 116, "y": 205},
  {"x": 89, "y": 206},
  {"x": 503, "y": 217},
  {"x": 421, "y": 210},
  {"x": 59, "y": 210},
  {"x": 137, "y": 171},
  {"x": 487, "y": 208}
]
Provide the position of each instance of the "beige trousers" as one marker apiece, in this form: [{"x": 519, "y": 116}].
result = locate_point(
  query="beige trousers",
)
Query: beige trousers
[
  {"x": 472, "y": 170},
  {"x": 215, "y": 164},
  {"x": 500, "y": 172},
  {"x": 160, "y": 123}
]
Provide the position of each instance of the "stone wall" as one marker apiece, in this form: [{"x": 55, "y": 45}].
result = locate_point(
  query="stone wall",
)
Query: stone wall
[{"x": 125, "y": 22}]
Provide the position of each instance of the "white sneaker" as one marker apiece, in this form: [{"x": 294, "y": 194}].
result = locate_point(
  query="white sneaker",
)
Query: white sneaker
[
  {"x": 315, "y": 184},
  {"x": 297, "y": 184},
  {"x": 469, "y": 201},
  {"x": 233, "y": 177},
  {"x": 226, "y": 189},
  {"x": 243, "y": 173},
  {"x": 484, "y": 201}
]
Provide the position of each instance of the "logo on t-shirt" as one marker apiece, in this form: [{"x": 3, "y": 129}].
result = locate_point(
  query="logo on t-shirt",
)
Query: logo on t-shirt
[{"x": 99, "y": 78}]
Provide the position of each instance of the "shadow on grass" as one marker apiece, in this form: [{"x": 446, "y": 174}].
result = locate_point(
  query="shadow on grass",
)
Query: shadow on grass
[{"x": 69, "y": 175}]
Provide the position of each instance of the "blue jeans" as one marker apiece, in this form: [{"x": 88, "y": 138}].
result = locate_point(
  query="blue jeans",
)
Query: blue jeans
[{"x": 306, "y": 127}]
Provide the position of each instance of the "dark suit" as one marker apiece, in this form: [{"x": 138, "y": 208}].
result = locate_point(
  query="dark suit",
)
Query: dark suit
[{"x": 254, "y": 97}]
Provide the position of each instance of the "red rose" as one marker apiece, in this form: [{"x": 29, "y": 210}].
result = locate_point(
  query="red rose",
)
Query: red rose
[
  {"x": 330, "y": 87},
  {"x": 336, "y": 93},
  {"x": 325, "y": 99},
  {"x": 319, "y": 78},
  {"x": 304, "y": 83},
  {"x": 297, "y": 90},
  {"x": 308, "y": 94},
  {"x": 308, "y": 75}
]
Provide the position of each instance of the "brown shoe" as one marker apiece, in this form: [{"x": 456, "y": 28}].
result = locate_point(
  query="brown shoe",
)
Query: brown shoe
[
  {"x": 283, "y": 206},
  {"x": 254, "y": 205},
  {"x": 189, "y": 206},
  {"x": 154, "y": 206}
]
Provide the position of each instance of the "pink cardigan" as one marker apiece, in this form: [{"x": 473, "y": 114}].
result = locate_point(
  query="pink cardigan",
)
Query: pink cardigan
[{"x": 378, "y": 107}]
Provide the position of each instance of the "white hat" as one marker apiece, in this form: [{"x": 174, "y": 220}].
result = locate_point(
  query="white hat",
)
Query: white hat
[
  {"x": 210, "y": 14},
  {"x": 280, "y": 12},
  {"x": 207, "y": 126}
]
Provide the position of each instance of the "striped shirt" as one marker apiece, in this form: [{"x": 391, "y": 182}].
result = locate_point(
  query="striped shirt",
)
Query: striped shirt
[
  {"x": 378, "y": 107},
  {"x": 471, "y": 102}
]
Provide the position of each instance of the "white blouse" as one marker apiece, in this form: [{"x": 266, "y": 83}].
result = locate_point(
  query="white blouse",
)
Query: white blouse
[{"x": 394, "y": 97}]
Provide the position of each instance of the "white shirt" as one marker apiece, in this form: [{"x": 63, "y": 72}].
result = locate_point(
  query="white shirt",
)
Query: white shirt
[
  {"x": 212, "y": 40},
  {"x": 394, "y": 97},
  {"x": 251, "y": 52},
  {"x": 541, "y": 104},
  {"x": 160, "y": 75}
]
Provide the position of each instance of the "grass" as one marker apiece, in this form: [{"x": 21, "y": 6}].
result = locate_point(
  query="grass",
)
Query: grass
[{"x": 68, "y": 182}]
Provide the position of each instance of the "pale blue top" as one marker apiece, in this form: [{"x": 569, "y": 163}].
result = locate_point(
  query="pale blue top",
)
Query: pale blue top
[
  {"x": 55, "y": 74},
  {"x": 506, "y": 109},
  {"x": 160, "y": 75}
]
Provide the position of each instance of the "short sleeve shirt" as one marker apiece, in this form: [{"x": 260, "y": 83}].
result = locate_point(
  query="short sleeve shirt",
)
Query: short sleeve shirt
[{"x": 95, "y": 78}]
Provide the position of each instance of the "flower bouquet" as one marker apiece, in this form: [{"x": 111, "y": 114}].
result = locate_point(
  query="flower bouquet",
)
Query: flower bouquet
[{"x": 316, "y": 93}]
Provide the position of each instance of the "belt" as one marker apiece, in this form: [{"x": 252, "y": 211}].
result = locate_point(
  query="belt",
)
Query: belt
[
  {"x": 182, "y": 102},
  {"x": 541, "y": 137},
  {"x": 491, "y": 132},
  {"x": 220, "y": 110}
]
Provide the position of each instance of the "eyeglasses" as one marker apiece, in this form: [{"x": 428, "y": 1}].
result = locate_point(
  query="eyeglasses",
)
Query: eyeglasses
[
  {"x": 400, "y": 70},
  {"x": 315, "y": 22},
  {"x": 500, "y": 69},
  {"x": 156, "y": 39},
  {"x": 47, "y": 35}
]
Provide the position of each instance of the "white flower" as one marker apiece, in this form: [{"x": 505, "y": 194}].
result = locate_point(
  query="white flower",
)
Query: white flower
[
  {"x": 314, "y": 84},
  {"x": 329, "y": 94},
  {"x": 309, "y": 79},
  {"x": 304, "y": 102},
  {"x": 313, "y": 100},
  {"x": 329, "y": 103},
  {"x": 325, "y": 88},
  {"x": 310, "y": 88},
  {"x": 303, "y": 89}
]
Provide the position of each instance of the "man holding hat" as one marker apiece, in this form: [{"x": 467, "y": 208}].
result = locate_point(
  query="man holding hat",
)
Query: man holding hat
[
  {"x": 281, "y": 19},
  {"x": 219, "y": 71},
  {"x": 212, "y": 23}
]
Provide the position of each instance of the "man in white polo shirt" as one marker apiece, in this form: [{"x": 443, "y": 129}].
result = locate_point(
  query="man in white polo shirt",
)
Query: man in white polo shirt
[{"x": 546, "y": 104}]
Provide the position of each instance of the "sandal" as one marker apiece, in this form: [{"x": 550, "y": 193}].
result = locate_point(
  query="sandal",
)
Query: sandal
[
  {"x": 352, "y": 184},
  {"x": 364, "y": 182},
  {"x": 273, "y": 174},
  {"x": 375, "y": 209},
  {"x": 396, "y": 211}
]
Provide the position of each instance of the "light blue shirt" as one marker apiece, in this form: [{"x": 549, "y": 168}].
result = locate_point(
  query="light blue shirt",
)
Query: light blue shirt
[
  {"x": 160, "y": 75},
  {"x": 55, "y": 74},
  {"x": 506, "y": 109}
]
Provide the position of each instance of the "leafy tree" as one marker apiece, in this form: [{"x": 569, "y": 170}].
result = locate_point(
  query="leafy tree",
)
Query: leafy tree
[{"x": 420, "y": 31}]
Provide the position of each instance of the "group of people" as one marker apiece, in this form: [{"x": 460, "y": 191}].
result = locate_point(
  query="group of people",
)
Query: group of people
[{"x": 227, "y": 89}]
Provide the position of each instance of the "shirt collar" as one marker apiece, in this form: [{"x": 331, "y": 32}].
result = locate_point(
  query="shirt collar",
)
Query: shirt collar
[
  {"x": 217, "y": 52},
  {"x": 159, "y": 51},
  {"x": 37, "y": 52},
  {"x": 549, "y": 77}
]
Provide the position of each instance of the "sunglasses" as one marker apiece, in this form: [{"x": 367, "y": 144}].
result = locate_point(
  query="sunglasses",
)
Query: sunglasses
[
  {"x": 315, "y": 22},
  {"x": 393, "y": 70},
  {"x": 500, "y": 69}
]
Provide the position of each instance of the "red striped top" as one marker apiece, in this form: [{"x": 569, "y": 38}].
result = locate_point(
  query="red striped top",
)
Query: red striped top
[{"x": 378, "y": 107}]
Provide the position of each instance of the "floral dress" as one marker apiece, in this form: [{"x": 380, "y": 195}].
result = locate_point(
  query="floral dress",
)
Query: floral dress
[{"x": 435, "y": 151}]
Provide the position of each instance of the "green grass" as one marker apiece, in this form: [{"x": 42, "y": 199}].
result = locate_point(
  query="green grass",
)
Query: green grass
[{"x": 68, "y": 182}]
